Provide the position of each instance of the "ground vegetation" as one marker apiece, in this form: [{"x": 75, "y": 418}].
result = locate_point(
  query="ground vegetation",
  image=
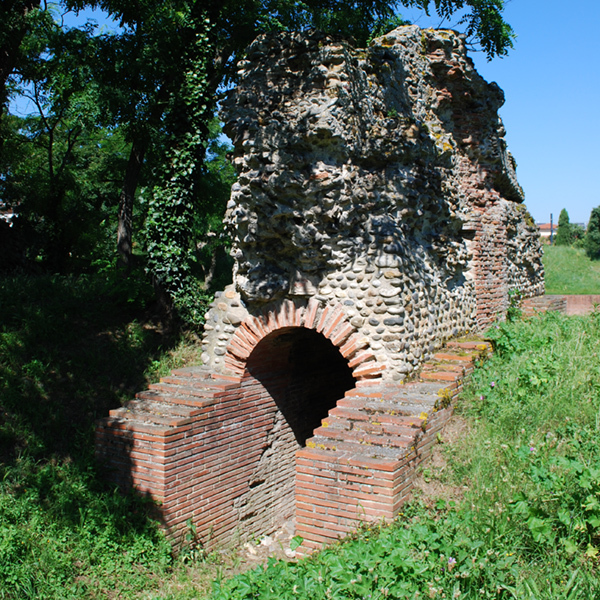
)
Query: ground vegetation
[
  {"x": 569, "y": 270},
  {"x": 522, "y": 517},
  {"x": 511, "y": 511}
]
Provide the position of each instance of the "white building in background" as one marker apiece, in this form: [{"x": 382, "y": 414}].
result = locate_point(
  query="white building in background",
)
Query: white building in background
[
  {"x": 547, "y": 229},
  {"x": 6, "y": 214}
]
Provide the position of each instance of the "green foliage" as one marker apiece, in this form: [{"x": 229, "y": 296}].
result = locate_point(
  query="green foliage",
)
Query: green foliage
[
  {"x": 483, "y": 22},
  {"x": 71, "y": 348},
  {"x": 578, "y": 235},
  {"x": 385, "y": 25},
  {"x": 592, "y": 237},
  {"x": 75, "y": 229},
  {"x": 569, "y": 271},
  {"x": 58, "y": 523},
  {"x": 171, "y": 221},
  {"x": 58, "y": 162},
  {"x": 514, "y": 305},
  {"x": 564, "y": 235}
]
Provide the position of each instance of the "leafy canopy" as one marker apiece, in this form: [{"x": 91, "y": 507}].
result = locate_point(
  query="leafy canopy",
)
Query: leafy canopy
[{"x": 151, "y": 89}]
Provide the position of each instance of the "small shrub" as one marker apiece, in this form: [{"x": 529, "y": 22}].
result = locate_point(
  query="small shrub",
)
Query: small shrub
[{"x": 564, "y": 235}]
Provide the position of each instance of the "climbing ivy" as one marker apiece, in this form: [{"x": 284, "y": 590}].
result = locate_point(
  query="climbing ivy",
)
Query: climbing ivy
[{"x": 170, "y": 222}]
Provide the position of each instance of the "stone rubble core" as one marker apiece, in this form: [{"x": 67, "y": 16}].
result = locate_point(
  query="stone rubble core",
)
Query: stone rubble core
[
  {"x": 376, "y": 216},
  {"x": 377, "y": 180}
]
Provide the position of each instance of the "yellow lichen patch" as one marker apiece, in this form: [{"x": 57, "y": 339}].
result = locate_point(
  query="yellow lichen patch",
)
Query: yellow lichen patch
[{"x": 311, "y": 445}]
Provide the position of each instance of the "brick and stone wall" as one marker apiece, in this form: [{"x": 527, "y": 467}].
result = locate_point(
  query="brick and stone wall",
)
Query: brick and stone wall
[
  {"x": 376, "y": 216},
  {"x": 378, "y": 180}
]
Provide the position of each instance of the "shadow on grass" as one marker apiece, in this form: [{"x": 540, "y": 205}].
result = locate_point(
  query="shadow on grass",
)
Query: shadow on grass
[{"x": 71, "y": 348}]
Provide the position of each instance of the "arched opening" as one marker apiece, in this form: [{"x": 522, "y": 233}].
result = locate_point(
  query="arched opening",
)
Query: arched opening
[
  {"x": 305, "y": 375},
  {"x": 293, "y": 377}
]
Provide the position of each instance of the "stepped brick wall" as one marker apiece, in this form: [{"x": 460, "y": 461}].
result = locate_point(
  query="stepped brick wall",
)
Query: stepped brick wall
[
  {"x": 307, "y": 428},
  {"x": 376, "y": 217}
]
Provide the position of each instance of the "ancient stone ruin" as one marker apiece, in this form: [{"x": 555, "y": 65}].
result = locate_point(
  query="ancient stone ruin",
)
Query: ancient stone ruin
[{"x": 376, "y": 218}]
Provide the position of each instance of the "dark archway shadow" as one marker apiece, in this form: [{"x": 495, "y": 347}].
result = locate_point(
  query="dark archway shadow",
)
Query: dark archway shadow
[{"x": 304, "y": 373}]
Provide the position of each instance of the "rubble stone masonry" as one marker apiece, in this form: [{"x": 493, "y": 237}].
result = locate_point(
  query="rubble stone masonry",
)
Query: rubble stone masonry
[
  {"x": 376, "y": 217},
  {"x": 378, "y": 180}
]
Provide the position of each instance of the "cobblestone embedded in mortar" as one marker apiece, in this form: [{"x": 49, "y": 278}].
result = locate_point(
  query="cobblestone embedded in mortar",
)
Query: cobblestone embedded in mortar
[{"x": 377, "y": 180}]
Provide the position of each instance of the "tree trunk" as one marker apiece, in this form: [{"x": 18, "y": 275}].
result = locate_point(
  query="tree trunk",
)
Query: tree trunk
[{"x": 126, "y": 200}]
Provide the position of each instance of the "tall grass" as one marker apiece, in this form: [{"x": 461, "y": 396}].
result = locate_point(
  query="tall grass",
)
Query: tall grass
[{"x": 528, "y": 525}]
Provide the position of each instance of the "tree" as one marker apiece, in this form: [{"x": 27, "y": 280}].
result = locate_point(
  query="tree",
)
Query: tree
[
  {"x": 158, "y": 80},
  {"x": 14, "y": 24},
  {"x": 564, "y": 235},
  {"x": 60, "y": 154},
  {"x": 592, "y": 236}
]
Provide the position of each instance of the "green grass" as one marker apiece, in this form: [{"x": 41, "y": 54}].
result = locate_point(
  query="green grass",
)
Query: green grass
[
  {"x": 71, "y": 349},
  {"x": 525, "y": 523},
  {"x": 570, "y": 271}
]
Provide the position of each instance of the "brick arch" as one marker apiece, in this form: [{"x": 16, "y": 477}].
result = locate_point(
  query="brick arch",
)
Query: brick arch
[{"x": 330, "y": 321}]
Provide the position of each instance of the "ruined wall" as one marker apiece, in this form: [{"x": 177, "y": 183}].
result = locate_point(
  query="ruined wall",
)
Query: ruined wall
[
  {"x": 377, "y": 180},
  {"x": 376, "y": 215}
]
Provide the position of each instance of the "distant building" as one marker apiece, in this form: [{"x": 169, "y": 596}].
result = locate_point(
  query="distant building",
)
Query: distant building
[{"x": 546, "y": 229}]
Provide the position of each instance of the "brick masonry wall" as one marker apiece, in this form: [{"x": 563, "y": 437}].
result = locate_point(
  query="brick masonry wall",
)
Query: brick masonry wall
[
  {"x": 231, "y": 454},
  {"x": 377, "y": 181},
  {"x": 365, "y": 473},
  {"x": 220, "y": 450}
]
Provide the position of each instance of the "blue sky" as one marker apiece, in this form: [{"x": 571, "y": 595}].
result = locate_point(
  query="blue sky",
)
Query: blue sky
[{"x": 551, "y": 80}]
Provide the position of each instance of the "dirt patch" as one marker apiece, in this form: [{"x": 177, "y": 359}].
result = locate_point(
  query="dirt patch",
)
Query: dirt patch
[
  {"x": 432, "y": 481},
  {"x": 276, "y": 545}
]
